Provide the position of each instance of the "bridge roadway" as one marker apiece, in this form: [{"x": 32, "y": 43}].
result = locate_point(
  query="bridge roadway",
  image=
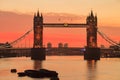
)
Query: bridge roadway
[
  {"x": 65, "y": 25},
  {"x": 18, "y": 52},
  {"x": 15, "y": 52}
]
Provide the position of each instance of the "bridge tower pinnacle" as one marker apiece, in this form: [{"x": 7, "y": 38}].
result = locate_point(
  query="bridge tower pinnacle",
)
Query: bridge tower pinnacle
[
  {"x": 38, "y": 30},
  {"x": 91, "y": 30}
]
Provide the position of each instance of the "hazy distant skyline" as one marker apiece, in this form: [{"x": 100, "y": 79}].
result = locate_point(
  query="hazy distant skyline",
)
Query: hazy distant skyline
[{"x": 21, "y": 13}]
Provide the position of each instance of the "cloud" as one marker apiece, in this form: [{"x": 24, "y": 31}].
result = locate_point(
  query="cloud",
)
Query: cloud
[
  {"x": 12, "y": 22},
  {"x": 64, "y": 17}
]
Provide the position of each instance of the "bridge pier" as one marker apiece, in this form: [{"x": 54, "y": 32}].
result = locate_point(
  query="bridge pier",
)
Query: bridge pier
[
  {"x": 92, "y": 54},
  {"x": 38, "y": 54}
]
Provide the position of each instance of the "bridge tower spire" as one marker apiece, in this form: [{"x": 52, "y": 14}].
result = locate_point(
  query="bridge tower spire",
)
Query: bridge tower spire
[
  {"x": 38, "y": 31},
  {"x": 91, "y": 30}
]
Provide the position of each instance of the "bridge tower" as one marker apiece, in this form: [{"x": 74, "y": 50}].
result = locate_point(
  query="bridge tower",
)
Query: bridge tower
[
  {"x": 92, "y": 51},
  {"x": 38, "y": 51},
  {"x": 91, "y": 30},
  {"x": 38, "y": 30}
]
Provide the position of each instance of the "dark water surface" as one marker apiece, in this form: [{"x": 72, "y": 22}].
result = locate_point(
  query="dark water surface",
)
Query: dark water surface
[{"x": 68, "y": 67}]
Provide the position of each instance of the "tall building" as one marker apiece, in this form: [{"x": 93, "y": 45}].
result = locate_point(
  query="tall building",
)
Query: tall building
[
  {"x": 49, "y": 45},
  {"x": 60, "y": 45}
]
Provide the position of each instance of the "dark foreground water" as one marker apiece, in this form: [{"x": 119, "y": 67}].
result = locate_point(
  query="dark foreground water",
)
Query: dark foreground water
[{"x": 68, "y": 67}]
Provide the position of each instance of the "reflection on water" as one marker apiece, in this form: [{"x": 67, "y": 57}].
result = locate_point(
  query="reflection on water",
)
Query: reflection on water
[
  {"x": 68, "y": 67},
  {"x": 92, "y": 69},
  {"x": 37, "y": 64}
]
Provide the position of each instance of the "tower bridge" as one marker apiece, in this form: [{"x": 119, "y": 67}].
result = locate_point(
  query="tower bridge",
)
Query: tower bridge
[
  {"x": 90, "y": 25},
  {"x": 38, "y": 50},
  {"x": 92, "y": 51}
]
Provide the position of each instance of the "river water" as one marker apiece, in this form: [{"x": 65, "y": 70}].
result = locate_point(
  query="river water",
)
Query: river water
[{"x": 68, "y": 67}]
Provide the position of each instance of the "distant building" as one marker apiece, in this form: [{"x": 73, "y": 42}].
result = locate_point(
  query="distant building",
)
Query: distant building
[
  {"x": 60, "y": 45},
  {"x": 5, "y": 45},
  {"x": 66, "y": 45},
  {"x": 115, "y": 47},
  {"x": 49, "y": 45}
]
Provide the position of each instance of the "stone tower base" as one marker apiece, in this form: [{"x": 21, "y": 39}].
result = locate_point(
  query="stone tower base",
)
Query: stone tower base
[
  {"x": 38, "y": 54},
  {"x": 92, "y": 54}
]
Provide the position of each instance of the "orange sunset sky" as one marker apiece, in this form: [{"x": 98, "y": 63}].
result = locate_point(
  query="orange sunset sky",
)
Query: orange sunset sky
[{"x": 16, "y": 17}]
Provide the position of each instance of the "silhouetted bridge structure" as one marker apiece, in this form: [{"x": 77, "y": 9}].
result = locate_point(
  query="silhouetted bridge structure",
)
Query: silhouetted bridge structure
[
  {"x": 26, "y": 52},
  {"x": 38, "y": 51},
  {"x": 65, "y": 25}
]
